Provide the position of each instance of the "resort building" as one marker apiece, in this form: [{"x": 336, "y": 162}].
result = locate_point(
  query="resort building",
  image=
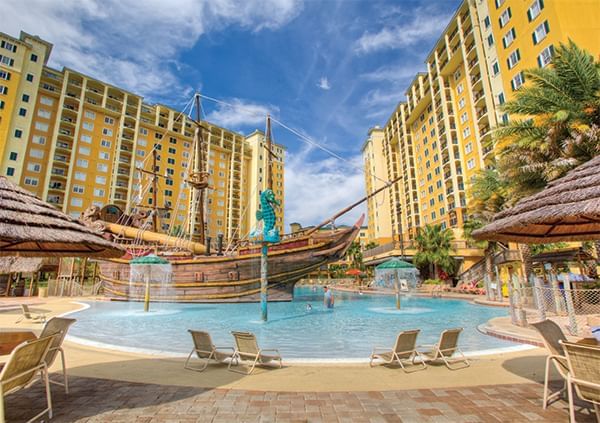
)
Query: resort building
[
  {"x": 439, "y": 137},
  {"x": 76, "y": 141}
]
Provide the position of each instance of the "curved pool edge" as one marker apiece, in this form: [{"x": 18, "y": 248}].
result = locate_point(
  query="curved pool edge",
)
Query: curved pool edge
[{"x": 294, "y": 361}]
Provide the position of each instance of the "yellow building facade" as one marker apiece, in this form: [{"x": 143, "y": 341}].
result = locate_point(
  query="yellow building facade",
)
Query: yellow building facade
[
  {"x": 84, "y": 142},
  {"x": 440, "y": 136}
]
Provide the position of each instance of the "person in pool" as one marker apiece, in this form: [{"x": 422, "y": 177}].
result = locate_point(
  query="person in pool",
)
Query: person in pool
[
  {"x": 328, "y": 298},
  {"x": 308, "y": 307}
]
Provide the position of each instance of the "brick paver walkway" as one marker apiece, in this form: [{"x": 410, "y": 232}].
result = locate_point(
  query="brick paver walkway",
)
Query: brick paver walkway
[{"x": 97, "y": 400}]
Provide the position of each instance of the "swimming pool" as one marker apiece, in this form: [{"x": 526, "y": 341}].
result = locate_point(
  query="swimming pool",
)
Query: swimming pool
[{"x": 350, "y": 330}]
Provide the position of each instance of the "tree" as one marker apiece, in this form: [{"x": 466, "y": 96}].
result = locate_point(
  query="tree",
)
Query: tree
[
  {"x": 434, "y": 246},
  {"x": 355, "y": 254}
]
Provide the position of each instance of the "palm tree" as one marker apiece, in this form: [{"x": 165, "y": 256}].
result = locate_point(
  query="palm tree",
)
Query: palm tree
[
  {"x": 558, "y": 130},
  {"x": 355, "y": 254},
  {"x": 434, "y": 246}
]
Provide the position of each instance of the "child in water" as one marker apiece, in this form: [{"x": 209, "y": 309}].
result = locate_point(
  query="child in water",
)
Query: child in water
[
  {"x": 308, "y": 307},
  {"x": 328, "y": 298}
]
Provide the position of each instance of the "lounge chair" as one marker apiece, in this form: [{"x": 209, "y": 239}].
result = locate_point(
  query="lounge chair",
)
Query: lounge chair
[
  {"x": 22, "y": 368},
  {"x": 206, "y": 350},
  {"x": 247, "y": 349},
  {"x": 30, "y": 315},
  {"x": 584, "y": 372},
  {"x": 551, "y": 336},
  {"x": 404, "y": 349},
  {"x": 446, "y": 347},
  {"x": 57, "y": 327}
]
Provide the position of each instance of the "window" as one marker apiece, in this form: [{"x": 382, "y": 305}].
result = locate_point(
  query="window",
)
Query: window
[
  {"x": 464, "y": 117},
  {"x": 102, "y": 167},
  {"x": 171, "y": 161},
  {"x": 18, "y": 133},
  {"x": 470, "y": 164},
  {"x": 84, "y": 150},
  {"x": 109, "y": 120},
  {"x": 487, "y": 22},
  {"x": 104, "y": 155},
  {"x": 36, "y": 153},
  {"x": 499, "y": 3},
  {"x": 140, "y": 153},
  {"x": 7, "y": 60},
  {"x": 495, "y": 68},
  {"x": 1, "y": 104},
  {"x": 43, "y": 113},
  {"x": 34, "y": 167},
  {"x": 142, "y": 142},
  {"x": 509, "y": 37},
  {"x": 105, "y": 143},
  {"x": 168, "y": 193},
  {"x": 89, "y": 114},
  {"x": 3, "y": 90},
  {"x": 501, "y": 99},
  {"x": 43, "y": 127},
  {"x": 540, "y": 32},
  {"x": 77, "y": 202},
  {"x": 535, "y": 9},
  {"x": 46, "y": 101},
  {"x": 490, "y": 40},
  {"x": 88, "y": 126},
  {"x": 5, "y": 75},
  {"x": 513, "y": 59},
  {"x": 441, "y": 196},
  {"x": 82, "y": 163},
  {"x": 38, "y": 139},
  {"x": 460, "y": 88},
  {"x": 33, "y": 57},
  {"x": 461, "y": 103},
  {"x": 107, "y": 131},
  {"x": 517, "y": 81},
  {"x": 469, "y": 147},
  {"x": 29, "y": 77},
  {"x": 457, "y": 75},
  {"x": 86, "y": 138},
  {"x": 101, "y": 180},
  {"x": 545, "y": 56},
  {"x": 98, "y": 192},
  {"x": 13, "y": 156},
  {"x": 10, "y": 171},
  {"x": 31, "y": 181},
  {"x": 143, "y": 131},
  {"x": 466, "y": 132},
  {"x": 25, "y": 98},
  {"x": 78, "y": 189},
  {"x": 173, "y": 140},
  {"x": 172, "y": 151},
  {"x": 22, "y": 112},
  {"x": 505, "y": 118},
  {"x": 8, "y": 46},
  {"x": 80, "y": 176},
  {"x": 505, "y": 17}
]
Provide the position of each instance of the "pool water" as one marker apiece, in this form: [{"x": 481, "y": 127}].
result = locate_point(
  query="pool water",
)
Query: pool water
[{"x": 351, "y": 329}]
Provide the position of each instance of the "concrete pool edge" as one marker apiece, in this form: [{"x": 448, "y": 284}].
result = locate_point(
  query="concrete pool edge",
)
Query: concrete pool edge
[{"x": 171, "y": 354}]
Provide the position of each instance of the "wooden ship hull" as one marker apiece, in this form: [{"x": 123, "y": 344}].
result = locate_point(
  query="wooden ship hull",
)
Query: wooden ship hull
[{"x": 213, "y": 278}]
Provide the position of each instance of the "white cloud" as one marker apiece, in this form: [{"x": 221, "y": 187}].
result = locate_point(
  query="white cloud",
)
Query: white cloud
[
  {"x": 399, "y": 73},
  {"x": 238, "y": 113},
  {"x": 317, "y": 189},
  {"x": 136, "y": 44},
  {"x": 324, "y": 83},
  {"x": 423, "y": 25}
]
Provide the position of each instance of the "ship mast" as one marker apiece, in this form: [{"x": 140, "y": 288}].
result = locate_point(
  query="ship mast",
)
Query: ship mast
[{"x": 198, "y": 180}]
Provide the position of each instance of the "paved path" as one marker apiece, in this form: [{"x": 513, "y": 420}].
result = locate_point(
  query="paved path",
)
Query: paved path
[{"x": 100, "y": 400}]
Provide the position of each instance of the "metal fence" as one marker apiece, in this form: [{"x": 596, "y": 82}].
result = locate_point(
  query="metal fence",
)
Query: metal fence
[{"x": 574, "y": 306}]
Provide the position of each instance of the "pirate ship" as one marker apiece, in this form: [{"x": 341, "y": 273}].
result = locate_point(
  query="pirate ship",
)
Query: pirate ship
[{"x": 202, "y": 274}]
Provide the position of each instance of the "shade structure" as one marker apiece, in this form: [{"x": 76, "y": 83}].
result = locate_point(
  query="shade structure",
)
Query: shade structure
[
  {"x": 395, "y": 263},
  {"x": 568, "y": 209},
  {"x": 354, "y": 272},
  {"x": 26, "y": 264},
  {"x": 33, "y": 228}
]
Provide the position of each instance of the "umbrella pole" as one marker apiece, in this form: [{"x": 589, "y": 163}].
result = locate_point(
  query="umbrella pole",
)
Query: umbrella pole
[
  {"x": 147, "y": 294},
  {"x": 397, "y": 287},
  {"x": 264, "y": 281}
]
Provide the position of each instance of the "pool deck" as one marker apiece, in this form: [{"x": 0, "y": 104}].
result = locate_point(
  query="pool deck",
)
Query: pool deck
[{"x": 119, "y": 386}]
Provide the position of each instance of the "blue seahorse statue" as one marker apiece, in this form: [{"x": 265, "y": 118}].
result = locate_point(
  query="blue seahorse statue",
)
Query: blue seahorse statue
[{"x": 267, "y": 214}]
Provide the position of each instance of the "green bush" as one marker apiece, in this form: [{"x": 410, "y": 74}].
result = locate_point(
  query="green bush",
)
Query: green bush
[{"x": 433, "y": 282}]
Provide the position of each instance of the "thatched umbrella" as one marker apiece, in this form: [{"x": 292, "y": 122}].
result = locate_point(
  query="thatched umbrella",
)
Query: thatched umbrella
[
  {"x": 568, "y": 209},
  {"x": 33, "y": 228}
]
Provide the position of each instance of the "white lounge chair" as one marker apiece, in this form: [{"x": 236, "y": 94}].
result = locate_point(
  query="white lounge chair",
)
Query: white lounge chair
[
  {"x": 405, "y": 348},
  {"x": 446, "y": 347},
  {"x": 552, "y": 335},
  {"x": 30, "y": 315},
  {"x": 584, "y": 374},
  {"x": 247, "y": 349},
  {"x": 205, "y": 350},
  {"x": 24, "y": 364},
  {"x": 57, "y": 327}
]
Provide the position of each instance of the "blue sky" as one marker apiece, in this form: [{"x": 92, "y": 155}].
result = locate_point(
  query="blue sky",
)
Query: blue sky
[{"x": 329, "y": 69}]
